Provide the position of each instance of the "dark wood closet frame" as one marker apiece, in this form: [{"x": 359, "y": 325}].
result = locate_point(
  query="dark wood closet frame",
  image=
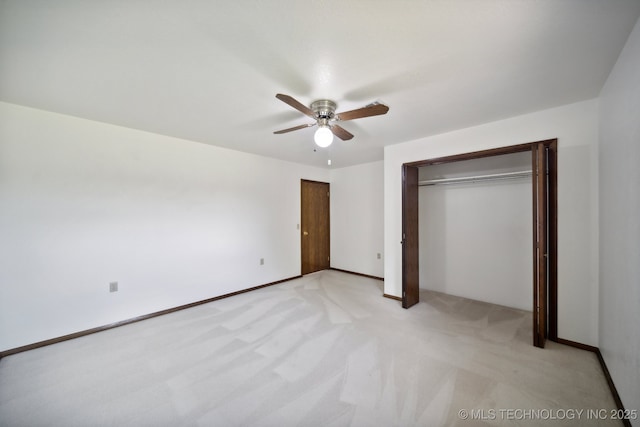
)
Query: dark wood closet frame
[{"x": 545, "y": 230}]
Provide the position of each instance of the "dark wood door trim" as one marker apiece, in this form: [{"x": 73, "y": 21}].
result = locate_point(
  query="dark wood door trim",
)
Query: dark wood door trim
[
  {"x": 478, "y": 154},
  {"x": 552, "y": 220}
]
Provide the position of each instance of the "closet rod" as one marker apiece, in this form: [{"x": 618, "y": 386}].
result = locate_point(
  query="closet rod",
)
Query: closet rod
[{"x": 490, "y": 177}]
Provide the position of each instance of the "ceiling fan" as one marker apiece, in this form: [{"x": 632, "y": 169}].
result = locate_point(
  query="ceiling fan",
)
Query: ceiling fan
[{"x": 323, "y": 111}]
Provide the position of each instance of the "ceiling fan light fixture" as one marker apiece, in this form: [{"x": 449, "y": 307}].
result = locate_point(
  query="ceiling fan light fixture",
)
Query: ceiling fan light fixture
[
  {"x": 323, "y": 136},
  {"x": 323, "y": 111}
]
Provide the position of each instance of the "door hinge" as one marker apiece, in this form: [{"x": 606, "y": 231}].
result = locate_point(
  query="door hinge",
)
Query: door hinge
[{"x": 328, "y": 194}]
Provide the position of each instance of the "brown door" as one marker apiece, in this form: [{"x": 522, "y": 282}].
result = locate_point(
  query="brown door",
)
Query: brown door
[
  {"x": 552, "y": 243},
  {"x": 410, "y": 237},
  {"x": 540, "y": 183},
  {"x": 315, "y": 226}
]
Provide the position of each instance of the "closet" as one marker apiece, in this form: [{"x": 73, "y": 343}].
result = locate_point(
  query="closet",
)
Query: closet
[
  {"x": 476, "y": 233},
  {"x": 475, "y": 221}
]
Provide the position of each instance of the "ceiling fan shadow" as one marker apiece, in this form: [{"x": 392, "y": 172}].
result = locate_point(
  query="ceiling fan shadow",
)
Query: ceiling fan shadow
[
  {"x": 252, "y": 50},
  {"x": 407, "y": 80},
  {"x": 276, "y": 119}
]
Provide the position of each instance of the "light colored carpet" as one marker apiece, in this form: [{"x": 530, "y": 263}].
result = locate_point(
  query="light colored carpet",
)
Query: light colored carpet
[{"x": 323, "y": 350}]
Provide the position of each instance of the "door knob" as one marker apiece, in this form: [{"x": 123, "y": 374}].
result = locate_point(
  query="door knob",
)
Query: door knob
[{"x": 304, "y": 233}]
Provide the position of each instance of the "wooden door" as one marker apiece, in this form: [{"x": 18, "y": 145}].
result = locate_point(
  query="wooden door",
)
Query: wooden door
[
  {"x": 315, "y": 226},
  {"x": 410, "y": 237},
  {"x": 552, "y": 243},
  {"x": 539, "y": 179}
]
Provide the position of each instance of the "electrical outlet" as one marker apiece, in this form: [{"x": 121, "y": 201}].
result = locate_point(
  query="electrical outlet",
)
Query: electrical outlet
[
  {"x": 113, "y": 287},
  {"x": 379, "y": 256},
  {"x": 261, "y": 261}
]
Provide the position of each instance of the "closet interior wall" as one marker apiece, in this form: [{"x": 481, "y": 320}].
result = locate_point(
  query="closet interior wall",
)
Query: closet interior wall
[{"x": 475, "y": 237}]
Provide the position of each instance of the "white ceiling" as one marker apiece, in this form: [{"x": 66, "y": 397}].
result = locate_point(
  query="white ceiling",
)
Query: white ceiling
[{"x": 208, "y": 71}]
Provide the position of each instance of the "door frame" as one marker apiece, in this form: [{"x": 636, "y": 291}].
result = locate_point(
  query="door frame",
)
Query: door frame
[{"x": 410, "y": 252}]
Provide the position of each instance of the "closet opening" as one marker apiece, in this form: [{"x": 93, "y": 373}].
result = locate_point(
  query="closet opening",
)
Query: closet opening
[{"x": 504, "y": 225}]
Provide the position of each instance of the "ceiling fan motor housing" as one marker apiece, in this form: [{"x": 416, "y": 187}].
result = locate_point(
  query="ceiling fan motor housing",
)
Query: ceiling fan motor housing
[{"x": 324, "y": 109}]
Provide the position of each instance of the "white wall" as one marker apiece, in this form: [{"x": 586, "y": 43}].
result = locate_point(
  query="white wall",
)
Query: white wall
[
  {"x": 85, "y": 203},
  {"x": 620, "y": 222},
  {"x": 576, "y": 128},
  {"x": 475, "y": 241},
  {"x": 357, "y": 212}
]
